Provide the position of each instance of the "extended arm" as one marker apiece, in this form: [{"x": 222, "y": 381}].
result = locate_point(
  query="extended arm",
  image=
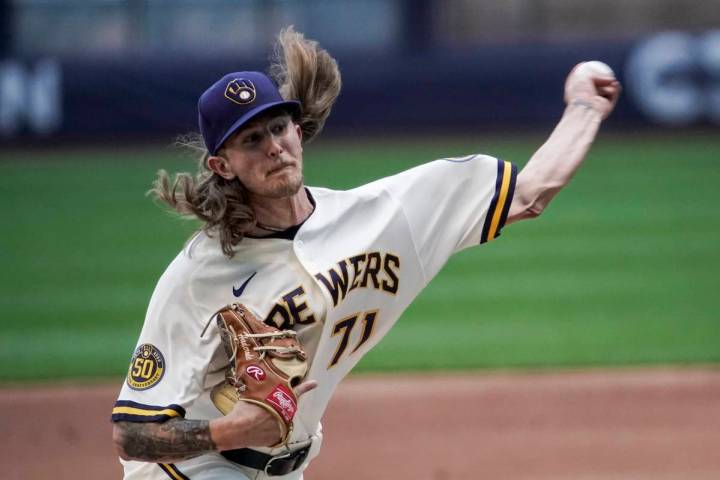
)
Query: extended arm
[{"x": 590, "y": 99}]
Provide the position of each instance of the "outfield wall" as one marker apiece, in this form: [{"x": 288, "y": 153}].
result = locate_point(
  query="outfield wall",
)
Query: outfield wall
[{"x": 671, "y": 80}]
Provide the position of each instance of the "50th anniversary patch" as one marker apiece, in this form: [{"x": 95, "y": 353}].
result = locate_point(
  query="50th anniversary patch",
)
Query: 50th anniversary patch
[{"x": 147, "y": 367}]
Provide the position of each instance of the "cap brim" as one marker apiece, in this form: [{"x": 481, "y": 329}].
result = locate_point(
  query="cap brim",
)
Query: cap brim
[{"x": 293, "y": 106}]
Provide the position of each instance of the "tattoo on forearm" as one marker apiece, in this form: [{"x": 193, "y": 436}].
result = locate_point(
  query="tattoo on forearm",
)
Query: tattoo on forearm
[{"x": 175, "y": 439}]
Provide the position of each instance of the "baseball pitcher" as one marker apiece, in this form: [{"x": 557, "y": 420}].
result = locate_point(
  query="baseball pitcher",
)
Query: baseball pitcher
[{"x": 286, "y": 286}]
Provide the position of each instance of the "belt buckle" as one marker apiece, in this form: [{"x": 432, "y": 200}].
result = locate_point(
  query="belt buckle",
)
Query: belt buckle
[
  {"x": 300, "y": 456},
  {"x": 268, "y": 465}
]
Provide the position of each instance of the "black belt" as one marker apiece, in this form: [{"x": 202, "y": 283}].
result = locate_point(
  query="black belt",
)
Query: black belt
[{"x": 281, "y": 464}]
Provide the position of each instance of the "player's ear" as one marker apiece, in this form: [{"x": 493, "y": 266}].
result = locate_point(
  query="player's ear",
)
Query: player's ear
[
  {"x": 298, "y": 130},
  {"x": 221, "y": 166}
]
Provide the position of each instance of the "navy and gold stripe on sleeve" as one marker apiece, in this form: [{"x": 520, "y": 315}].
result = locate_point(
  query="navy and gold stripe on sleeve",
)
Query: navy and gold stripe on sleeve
[
  {"x": 128, "y": 411},
  {"x": 172, "y": 471},
  {"x": 500, "y": 204}
]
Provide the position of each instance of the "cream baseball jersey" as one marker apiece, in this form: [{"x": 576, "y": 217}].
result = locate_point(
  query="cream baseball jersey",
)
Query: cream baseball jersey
[{"x": 341, "y": 280}]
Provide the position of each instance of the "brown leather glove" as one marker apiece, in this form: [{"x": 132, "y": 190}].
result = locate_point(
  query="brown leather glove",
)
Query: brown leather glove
[{"x": 265, "y": 365}]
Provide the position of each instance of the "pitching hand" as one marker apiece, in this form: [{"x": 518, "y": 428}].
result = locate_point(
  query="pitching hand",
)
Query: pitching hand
[{"x": 595, "y": 88}]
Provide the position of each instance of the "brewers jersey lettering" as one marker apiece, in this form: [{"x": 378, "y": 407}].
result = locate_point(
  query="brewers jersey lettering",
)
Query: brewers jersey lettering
[{"x": 341, "y": 280}]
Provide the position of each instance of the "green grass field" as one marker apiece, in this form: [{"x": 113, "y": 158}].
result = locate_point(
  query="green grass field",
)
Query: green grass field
[{"x": 622, "y": 269}]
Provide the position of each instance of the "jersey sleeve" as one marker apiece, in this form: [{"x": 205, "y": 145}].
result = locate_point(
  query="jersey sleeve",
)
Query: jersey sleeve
[
  {"x": 168, "y": 367},
  {"x": 452, "y": 204}
]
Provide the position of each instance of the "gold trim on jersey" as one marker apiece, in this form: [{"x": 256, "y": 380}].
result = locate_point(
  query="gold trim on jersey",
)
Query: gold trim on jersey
[
  {"x": 137, "y": 411},
  {"x": 172, "y": 471},
  {"x": 129, "y": 411},
  {"x": 501, "y": 200},
  {"x": 500, "y": 203}
]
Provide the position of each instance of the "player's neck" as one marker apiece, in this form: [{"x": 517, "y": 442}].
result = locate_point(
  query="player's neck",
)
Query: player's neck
[{"x": 276, "y": 214}]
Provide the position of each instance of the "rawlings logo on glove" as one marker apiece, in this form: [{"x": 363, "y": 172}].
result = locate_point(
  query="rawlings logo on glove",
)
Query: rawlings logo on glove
[
  {"x": 270, "y": 363},
  {"x": 284, "y": 402}
]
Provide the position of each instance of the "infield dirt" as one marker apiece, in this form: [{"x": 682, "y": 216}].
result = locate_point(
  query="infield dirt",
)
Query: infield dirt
[{"x": 658, "y": 424}]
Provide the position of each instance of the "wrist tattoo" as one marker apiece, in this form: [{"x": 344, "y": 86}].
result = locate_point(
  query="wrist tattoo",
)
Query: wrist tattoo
[
  {"x": 584, "y": 103},
  {"x": 175, "y": 439}
]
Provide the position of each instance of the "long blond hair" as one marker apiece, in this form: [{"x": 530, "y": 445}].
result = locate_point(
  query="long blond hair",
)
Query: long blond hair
[{"x": 304, "y": 71}]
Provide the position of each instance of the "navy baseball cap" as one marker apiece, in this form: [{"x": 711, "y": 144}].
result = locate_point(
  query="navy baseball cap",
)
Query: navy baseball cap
[{"x": 234, "y": 100}]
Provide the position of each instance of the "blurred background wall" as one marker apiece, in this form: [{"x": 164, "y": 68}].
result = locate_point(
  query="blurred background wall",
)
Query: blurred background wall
[{"x": 99, "y": 70}]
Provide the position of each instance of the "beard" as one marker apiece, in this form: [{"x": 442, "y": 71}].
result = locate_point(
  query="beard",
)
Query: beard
[{"x": 282, "y": 186}]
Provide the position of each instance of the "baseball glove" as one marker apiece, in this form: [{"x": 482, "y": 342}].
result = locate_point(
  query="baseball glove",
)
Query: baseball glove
[{"x": 265, "y": 365}]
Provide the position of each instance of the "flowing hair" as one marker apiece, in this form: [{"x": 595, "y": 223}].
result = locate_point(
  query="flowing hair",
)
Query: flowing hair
[{"x": 303, "y": 71}]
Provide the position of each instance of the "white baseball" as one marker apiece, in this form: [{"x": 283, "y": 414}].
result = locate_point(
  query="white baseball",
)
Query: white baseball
[{"x": 595, "y": 68}]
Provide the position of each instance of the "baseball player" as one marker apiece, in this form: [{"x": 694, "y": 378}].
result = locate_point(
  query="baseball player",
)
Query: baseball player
[{"x": 336, "y": 267}]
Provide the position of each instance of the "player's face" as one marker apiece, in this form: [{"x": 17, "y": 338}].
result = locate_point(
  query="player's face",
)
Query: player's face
[{"x": 266, "y": 155}]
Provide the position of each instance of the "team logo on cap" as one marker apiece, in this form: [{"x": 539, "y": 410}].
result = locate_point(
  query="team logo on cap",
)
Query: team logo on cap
[{"x": 240, "y": 91}]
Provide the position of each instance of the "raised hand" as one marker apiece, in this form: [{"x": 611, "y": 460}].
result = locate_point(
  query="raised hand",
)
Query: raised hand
[{"x": 593, "y": 84}]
